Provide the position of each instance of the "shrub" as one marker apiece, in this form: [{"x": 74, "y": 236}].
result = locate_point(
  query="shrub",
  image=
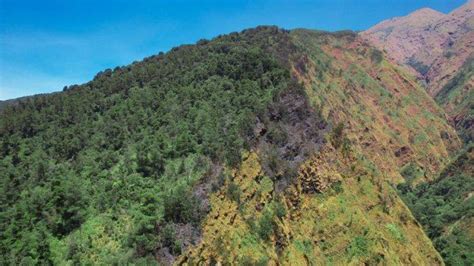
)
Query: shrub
[
  {"x": 337, "y": 187},
  {"x": 266, "y": 225},
  {"x": 418, "y": 66},
  {"x": 234, "y": 192},
  {"x": 358, "y": 247},
  {"x": 168, "y": 239},
  {"x": 337, "y": 135},
  {"x": 181, "y": 206},
  {"x": 277, "y": 135},
  {"x": 395, "y": 231},
  {"x": 279, "y": 209},
  {"x": 376, "y": 56}
]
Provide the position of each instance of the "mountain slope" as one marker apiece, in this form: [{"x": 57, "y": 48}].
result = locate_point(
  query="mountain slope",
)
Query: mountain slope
[
  {"x": 405, "y": 38},
  {"x": 387, "y": 114},
  {"x": 360, "y": 218},
  {"x": 436, "y": 47},
  {"x": 439, "y": 48},
  {"x": 457, "y": 97},
  {"x": 445, "y": 207},
  {"x": 432, "y": 43},
  {"x": 254, "y": 147},
  {"x": 90, "y": 175}
]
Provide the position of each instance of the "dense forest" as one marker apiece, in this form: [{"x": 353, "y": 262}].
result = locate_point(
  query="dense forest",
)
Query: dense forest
[
  {"x": 120, "y": 154},
  {"x": 445, "y": 207}
]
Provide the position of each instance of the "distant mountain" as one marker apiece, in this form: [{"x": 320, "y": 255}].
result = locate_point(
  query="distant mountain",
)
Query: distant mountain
[
  {"x": 436, "y": 47},
  {"x": 439, "y": 49}
]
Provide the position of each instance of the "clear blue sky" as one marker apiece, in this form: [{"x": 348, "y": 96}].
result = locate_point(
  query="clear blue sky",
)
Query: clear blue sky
[{"x": 47, "y": 44}]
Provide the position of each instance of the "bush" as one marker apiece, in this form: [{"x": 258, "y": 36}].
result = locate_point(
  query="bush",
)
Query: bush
[
  {"x": 181, "y": 206},
  {"x": 337, "y": 187},
  {"x": 266, "y": 225},
  {"x": 411, "y": 171},
  {"x": 279, "y": 209},
  {"x": 168, "y": 239},
  {"x": 234, "y": 192},
  {"x": 376, "y": 56},
  {"x": 395, "y": 231},
  {"x": 418, "y": 66},
  {"x": 277, "y": 135},
  {"x": 358, "y": 247},
  {"x": 337, "y": 135}
]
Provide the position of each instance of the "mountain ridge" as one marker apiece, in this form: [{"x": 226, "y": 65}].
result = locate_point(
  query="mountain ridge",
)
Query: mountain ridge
[
  {"x": 436, "y": 50},
  {"x": 224, "y": 151}
]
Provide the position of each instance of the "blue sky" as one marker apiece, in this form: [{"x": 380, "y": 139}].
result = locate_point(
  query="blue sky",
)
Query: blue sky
[{"x": 47, "y": 44}]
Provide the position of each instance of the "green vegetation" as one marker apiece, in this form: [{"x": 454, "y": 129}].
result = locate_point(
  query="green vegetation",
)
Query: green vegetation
[
  {"x": 358, "y": 247},
  {"x": 411, "y": 172},
  {"x": 115, "y": 161},
  {"x": 376, "y": 56},
  {"x": 445, "y": 208},
  {"x": 395, "y": 231},
  {"x": 266, "y": 225},
  {"x": 221, "y": 152},
  {"x": 337, "y": 135},
  {"x": 457, "y": 97},
  {"x": 234, "y": 192}
]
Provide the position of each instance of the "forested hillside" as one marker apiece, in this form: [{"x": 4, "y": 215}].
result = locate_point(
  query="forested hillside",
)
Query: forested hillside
[
  {"x": 103, "y": 171},
  {"x": 264, "y": 146},
  {"x": 445, "y": 207}
]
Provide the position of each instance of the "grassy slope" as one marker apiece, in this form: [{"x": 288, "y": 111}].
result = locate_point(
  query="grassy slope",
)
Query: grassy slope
[
  {"x": 429, "y": 150},
  {"x": 387, "y": 115},
  {"x": 359, "y": 217}
]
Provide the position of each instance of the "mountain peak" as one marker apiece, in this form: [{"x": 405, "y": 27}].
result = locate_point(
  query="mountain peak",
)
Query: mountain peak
[
  {"x": 418, "y": 18},
  {"x": 468, "y": 7},
  {"x": 421, "y": 17},
  {"x": 426, "y": 11}
]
